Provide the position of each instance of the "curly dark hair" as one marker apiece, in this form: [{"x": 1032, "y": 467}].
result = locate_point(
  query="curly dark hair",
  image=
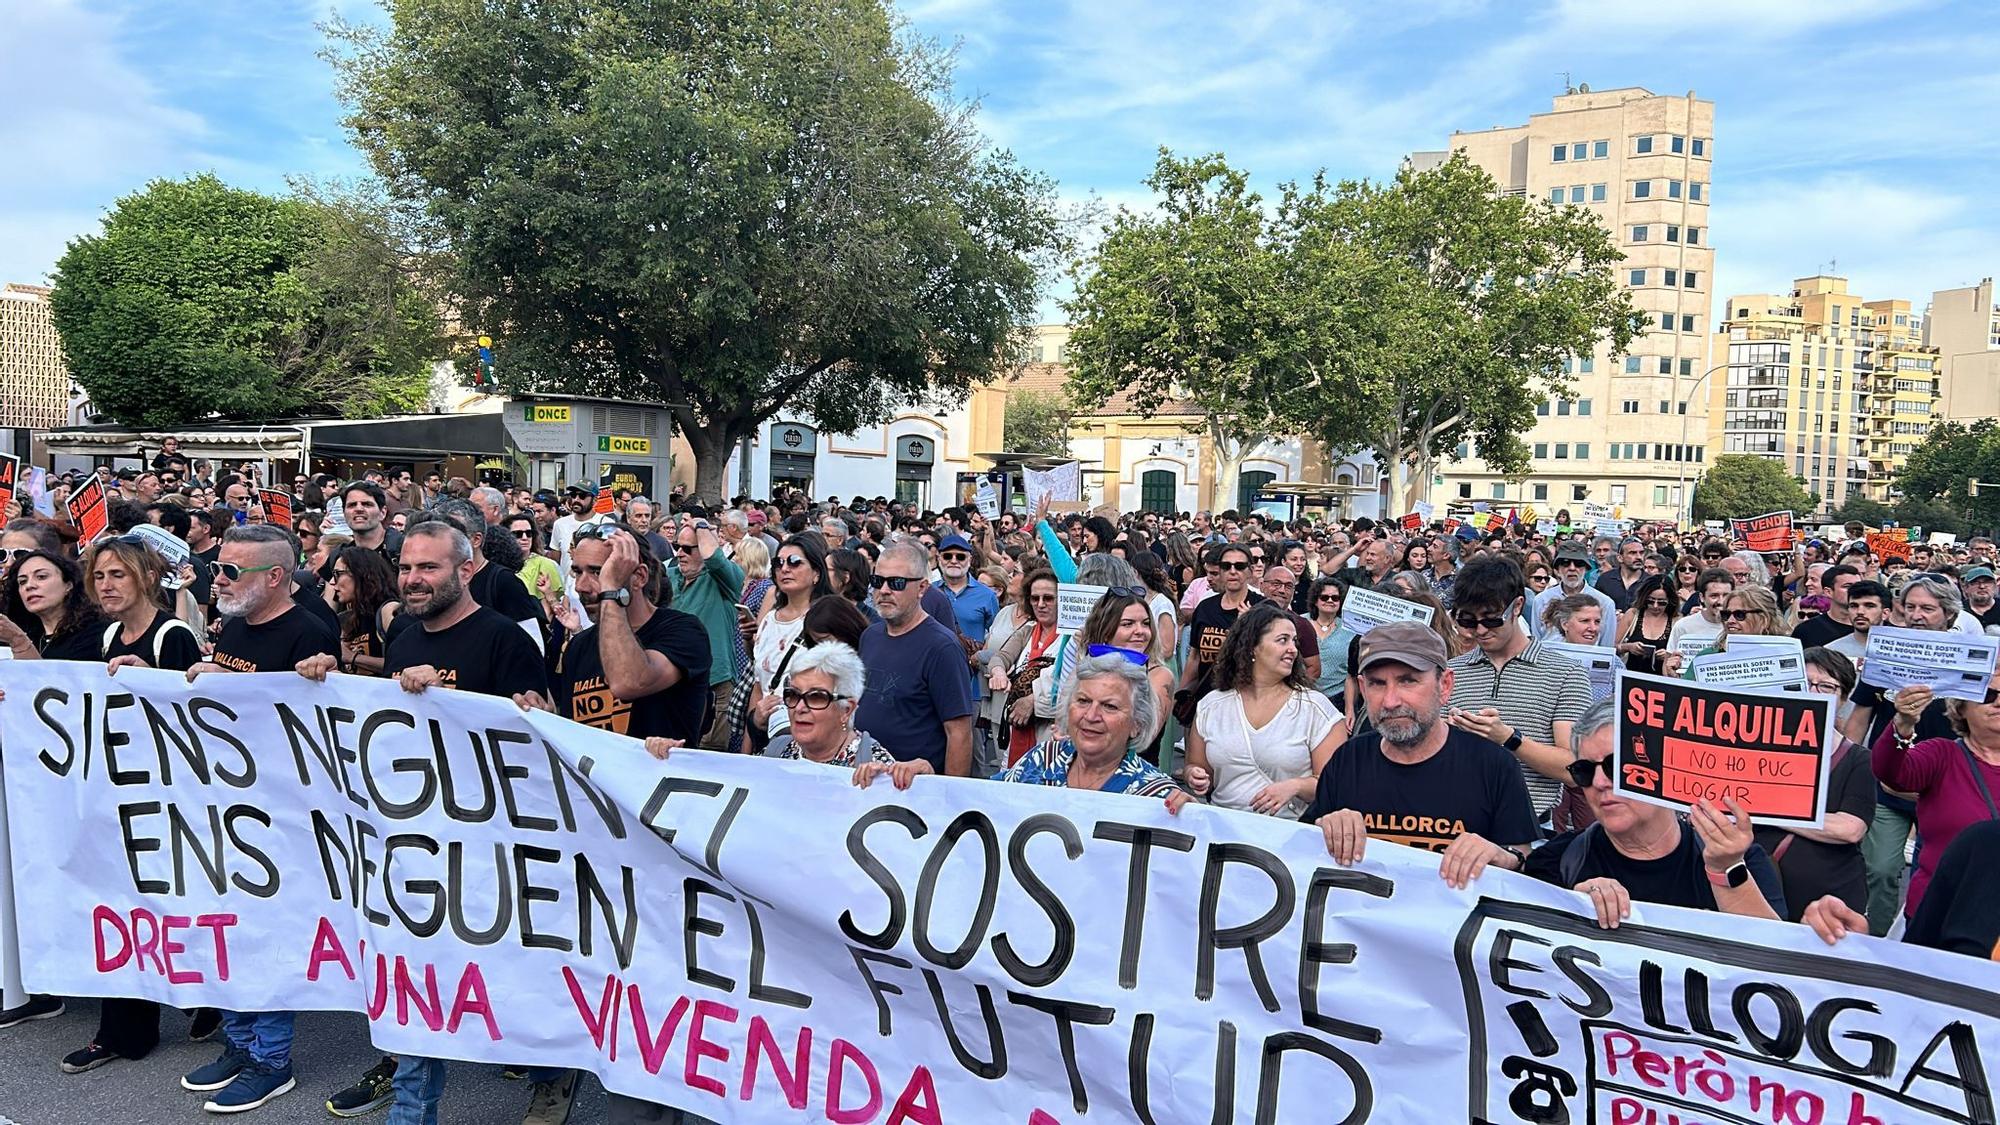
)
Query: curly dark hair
[
  {"x": 374, "y": 587},
  {"x": 1233, "y": 669}
]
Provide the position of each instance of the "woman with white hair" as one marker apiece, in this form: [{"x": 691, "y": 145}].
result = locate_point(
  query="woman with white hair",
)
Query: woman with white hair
[
  {"x": 822, "y": 689},
  {"x": 1107, "y": 718}
]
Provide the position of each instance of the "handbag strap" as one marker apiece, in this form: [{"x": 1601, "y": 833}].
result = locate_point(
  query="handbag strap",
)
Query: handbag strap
[{"x": 1979, "y": 778}]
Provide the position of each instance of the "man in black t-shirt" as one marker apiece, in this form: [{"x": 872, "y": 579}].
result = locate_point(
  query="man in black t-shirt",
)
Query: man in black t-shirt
[
  {"x": 491, "y": 584},
  {"x": 262, "y": 631},
  {"x": 1416, "y": 779},
  {"x": 459, "y": 644},
  {"x": 1828, "y": 627},
  {"x": 642, "y": 668},
  {"x": 1639, "y": 852}
]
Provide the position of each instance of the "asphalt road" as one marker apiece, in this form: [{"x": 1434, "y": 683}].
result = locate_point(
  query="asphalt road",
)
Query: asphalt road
[{"x": 331, "y": 1051}]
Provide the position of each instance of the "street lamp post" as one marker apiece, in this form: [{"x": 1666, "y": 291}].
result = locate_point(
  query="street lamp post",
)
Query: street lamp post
[{"x": 1683, "y": 511}]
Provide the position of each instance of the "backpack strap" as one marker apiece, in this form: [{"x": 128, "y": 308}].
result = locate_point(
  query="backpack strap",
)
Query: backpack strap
[
  {"x": 110, "y": 637},
  {"x": 160, "y": 636}
]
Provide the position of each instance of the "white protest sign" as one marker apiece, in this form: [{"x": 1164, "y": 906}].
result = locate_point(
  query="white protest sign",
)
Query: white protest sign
[
  {"x": 988, "y": 499},
  {"x": 1074, "y": 601},
  {"x": 1691, "y": 643},
  {"x": 334, "y": 521},
  {"x": 758, "y": 940},
  {"x": 1545, "y": 527},
  {"x": 1615, "y": 529},
  {"x": 1062, "y": 485},
  {"x": 170, "y": 547},
  {"x": 1757, "y": 668},
  {"x": 1600, "y": 664},
  {"x": 1362, "y": 610},
  {"x": 1744, "y": 644},
  {"x": 1953, "y": 665},
  {"x": 12, "y": 992}
]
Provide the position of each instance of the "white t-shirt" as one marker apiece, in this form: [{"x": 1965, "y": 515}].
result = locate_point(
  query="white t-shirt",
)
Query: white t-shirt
[
  {"x": 1851, "y": 646},
  {"x": 1243, "y": 759},
  {"x": 774, "y": 636},
  {"x": 1692, "y": 627}
]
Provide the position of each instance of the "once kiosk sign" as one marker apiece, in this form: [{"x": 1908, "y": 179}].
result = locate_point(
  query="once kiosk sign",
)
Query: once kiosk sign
[{"x": 616, "y": 443}]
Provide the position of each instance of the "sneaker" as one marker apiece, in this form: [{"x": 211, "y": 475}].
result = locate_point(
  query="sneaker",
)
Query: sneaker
[
  {"x": 549, "y": 1103},
  {"x": 371, "y": 1093},
  {"x": 207, "y": 1021},
  {"x": 252, "y": 1088},
  {"x": 35, "y": 1008},
  {"x": 220, "y": 1073},
  {"x": 512, "y": 1072},
  {"x": 88, "y": 1058}
]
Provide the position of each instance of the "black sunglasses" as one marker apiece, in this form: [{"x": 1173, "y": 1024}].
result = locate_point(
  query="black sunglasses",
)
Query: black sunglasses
[
  {"x": 1742, "y": 614},
  {"x": 786, "y": 562},
  {"x": 1469, "y": 622},
  {"x": 1139, "y": 592},
  {"x": 1584, "y": 770},
  {"x": 894, "y": 582},
  {"x": 818, "y": 699},
  {"x": 1226, "y": 565}
]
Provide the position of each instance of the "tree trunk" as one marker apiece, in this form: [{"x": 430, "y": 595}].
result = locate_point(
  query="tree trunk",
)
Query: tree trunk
[
  {"x": 712, "y": 446},
  {"x": 1230, "y": 453}
]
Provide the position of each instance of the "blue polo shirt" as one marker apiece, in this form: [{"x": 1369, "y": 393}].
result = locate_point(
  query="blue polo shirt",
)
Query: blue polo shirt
[{"x": 976, "y": 606}]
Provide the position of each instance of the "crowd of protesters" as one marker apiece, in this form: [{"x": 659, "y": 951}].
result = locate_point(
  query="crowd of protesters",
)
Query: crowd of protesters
[{"x": 889, "y": 642}]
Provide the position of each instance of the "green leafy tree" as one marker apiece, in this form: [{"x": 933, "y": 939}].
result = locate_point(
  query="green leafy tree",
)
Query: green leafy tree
[
  {"x": 739, "y": 207},
  {"x": 204, "y": 301},
  {"x": 1940, "y": 469},
  {"x": 1873, "y": 513},
  {"x": 1741, "y": 485},
  {"x": 1433, "y": 310},
  {"x": 1037, "y": 423},
  {"x": 1180, "y": 303}
]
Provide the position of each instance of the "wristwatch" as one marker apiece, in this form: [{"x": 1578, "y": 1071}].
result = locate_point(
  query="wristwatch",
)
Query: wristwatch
[
  {"x": 1734, "y": 877},
  {"x": 622, "y": 595},
  {"x": 1513, "y": 743}
]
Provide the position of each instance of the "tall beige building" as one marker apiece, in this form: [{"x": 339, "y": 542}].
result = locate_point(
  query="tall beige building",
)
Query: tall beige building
[
  {"x": 1836, "y": 389},
  {"x": 1964, "y": 326},
  {"x": 34, "y": 379},
  {"x": 1635, "y": 428}
]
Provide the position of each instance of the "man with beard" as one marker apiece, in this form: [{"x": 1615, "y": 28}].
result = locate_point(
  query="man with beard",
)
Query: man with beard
[
  {"x": 262, "y": 631},
  {"x": 1416, "y": 779},
  {"x": 495, "y": 561},
  {"x": 460, "y": 645},
  {"x": 1979, "y": 596}
]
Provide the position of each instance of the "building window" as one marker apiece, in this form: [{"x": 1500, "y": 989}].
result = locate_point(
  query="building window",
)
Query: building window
[
  {"x": 1694, "y": 190},
  {"x": 1687, "y": 368},
  {"x": 1587, "y": 364},
  {"x": 1643, "y": 146},
  {"x": 1673, "y": 233},
  {"x": 1672, "y": 277},
  {"x": 1576, "y": 193},
  {"x": 1676, "y": 143},
  {"x": 1642, "y": 189},
  {"x": 1559, "y": 154},
  {"x": 1694, "y": 236},
  {"x": 1617, "y": 494},
  {"x": 1583, "y": 451},
  {"x": 1579, "y": 151},
  {"x": 1600, "y": 149},
  {"x": 1687, "y": 323},
  {"x": 1562, "y": 451},
  {"x": 1639, "y": 233},
  {"x": 1666, "y": 365},
  {"x": 1541, "y": 450},
  {"x": 1541, "y": 492},
  {"x": 1660, "y": 494},
  {"x": 1629, "y": 406},
  {"x": 1158, "y": 491},
  {"x": 1631, "y": 365},
  {"x": 1465, "y": 490},
  {"x": 1666, "y": 407},
  {"x": 1578, "y": 493},
  {"x": 1700, "y": 147},
  {"x": 1636, "y": 277},
  {"x": 1499, "y": 491},
  {"x": 1673, "y": 189},
  {"x": 1688, "y": 279},
  {"x": 1666, "y": 322},
  {"x": 1541, "y": 410},
  {"x": 1583, "y": 407},
  {"x": 1555, "y": 195},
  {"x": 1562, "y": 408},
  {"x": 1614, "y": 451},
  {"x": 1597, "y": 193}
]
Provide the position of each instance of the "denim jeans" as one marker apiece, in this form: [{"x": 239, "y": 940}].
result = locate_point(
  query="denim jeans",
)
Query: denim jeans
[
  {"x": 265, "y": 1036},
  {"x": 419, "y": 1085}
]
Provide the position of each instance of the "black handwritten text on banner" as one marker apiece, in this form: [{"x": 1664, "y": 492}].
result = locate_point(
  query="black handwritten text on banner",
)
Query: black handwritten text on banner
[{"x": 760, "y": 941}]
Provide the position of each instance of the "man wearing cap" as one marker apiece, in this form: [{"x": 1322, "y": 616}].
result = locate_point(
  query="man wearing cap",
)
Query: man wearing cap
[
  {"x": 1416, "y": 779},
  {"x": 974, "y": 606},
  {"x": 579, "y": 498},
  {"x": 1979, "y": 599},
  {"x": 1572, "y": 570}
]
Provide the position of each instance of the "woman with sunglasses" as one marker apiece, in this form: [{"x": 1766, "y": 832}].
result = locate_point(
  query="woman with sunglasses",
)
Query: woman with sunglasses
[
  {"x": 541, "y": 574},
  {"x": 798, "y": 577},
  {"x": 363, "y": 592},
  {"x": 1682, "y": 584},
  {"x": 1751, "y": 610},
  {"x": 1233, "y": 591},
  {"x": 1259, "y": 742},
  {"x": 1022, "y": 669},
  {"x": 25, "y": 535},
  {"x": 820, "y": 690},
  {"x": 1325, "y": 600},
  {"x": 1643, "y": 629}
]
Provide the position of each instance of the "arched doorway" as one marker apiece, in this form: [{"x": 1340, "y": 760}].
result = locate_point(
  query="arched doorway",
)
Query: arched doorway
[{"x": 1248, "y": 485}]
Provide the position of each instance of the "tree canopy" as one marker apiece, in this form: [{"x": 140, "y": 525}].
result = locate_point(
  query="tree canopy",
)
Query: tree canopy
[
  {"x": 1406, "y": 317},
  {"x": 1037, "y": 422},
  {"x": 1952, "y": 454},
  {"x": 743, "y": 208},
  {"x": 201, "y": 301},
  {"x": 1741, "y": 485}
]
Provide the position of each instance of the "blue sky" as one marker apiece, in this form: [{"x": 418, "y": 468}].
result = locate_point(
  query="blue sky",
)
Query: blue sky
[{"x": 1861, "y": 132}]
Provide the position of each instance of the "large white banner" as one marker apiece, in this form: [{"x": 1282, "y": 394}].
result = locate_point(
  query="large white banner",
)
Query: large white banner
[{"x": 757, "y": 940}]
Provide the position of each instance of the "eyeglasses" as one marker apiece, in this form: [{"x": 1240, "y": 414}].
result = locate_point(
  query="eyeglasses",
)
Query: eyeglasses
[
  {"x": 1227, "y": 565},
  {"x": 1828, "y": 687},
  {"x": 818, "y": 699},
  {"x": 686, "y": 548},
  {"x": 1657, "y": 603},
  {"x": 955, "y": 556},
  {"x": 1565, "y": 564},
  {"x": 341, "y": 572},
  {"x": 235, "y": 573},
  {"x": 1041, "y": 599},
  {"x": 1328, "y": 599},
  {"x": 897, "y": 582},
  {"x": 595, "y": 531},
  {"x": 1742, "y": 614},
  {"x": 1126, "y": 592},
  {"x": 1469, "y": 622},
  {"x": 525, "y": 533},
  {"x": 1130, "y": 655},
  {"x": 786, "y": 562},
  {"x": 16, "y": 554},
  {"x": 1584, "y": 770}
]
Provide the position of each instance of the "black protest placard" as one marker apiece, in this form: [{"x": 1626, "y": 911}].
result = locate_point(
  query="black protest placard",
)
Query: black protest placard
[{"x": 1769, "y": 751}]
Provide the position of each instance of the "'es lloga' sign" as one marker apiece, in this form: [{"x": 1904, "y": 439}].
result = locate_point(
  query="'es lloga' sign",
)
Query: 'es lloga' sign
[{"x": 756, "y": 940}]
